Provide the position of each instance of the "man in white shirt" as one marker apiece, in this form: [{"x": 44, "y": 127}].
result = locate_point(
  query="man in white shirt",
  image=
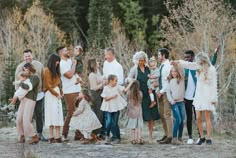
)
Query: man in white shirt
[
  {"x": 164, "y": 105},
  {"x": 70, "y": 88},
  {"x": 112, "y": 67}
]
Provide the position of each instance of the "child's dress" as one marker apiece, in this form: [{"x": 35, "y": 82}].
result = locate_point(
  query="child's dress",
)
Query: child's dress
[
  {"x": 134, "y": 113},
  {"x": 116, "y": 104},
  {"x": 86, "y": 121}
]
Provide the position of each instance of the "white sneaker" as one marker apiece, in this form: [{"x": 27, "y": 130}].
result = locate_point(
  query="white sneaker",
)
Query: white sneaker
[{"x": 190, "y": 141}]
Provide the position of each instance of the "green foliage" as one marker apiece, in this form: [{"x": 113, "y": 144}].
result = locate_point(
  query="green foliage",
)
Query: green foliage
[
  {"x": 134, "y": 22},
  {"x": 100, "y": 22},
  {"x": 155, "y": 35},
  {"x": 8, "y": 77}
]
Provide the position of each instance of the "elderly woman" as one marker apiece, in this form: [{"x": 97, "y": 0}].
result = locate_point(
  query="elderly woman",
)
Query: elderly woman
[
  {"x": 140, "y": 72},
  {"x": 26, "y": 108}
]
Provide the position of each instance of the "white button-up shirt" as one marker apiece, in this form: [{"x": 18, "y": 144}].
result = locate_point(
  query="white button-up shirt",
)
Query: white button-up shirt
[{"x": 164, "y": 74}]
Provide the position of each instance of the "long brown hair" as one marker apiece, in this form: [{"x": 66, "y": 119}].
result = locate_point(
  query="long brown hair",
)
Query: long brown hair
[
  {"x": 180, "y": 74},
  {"x": 30, "y": 67},
  {"x": 134, "y": 94},
  {"x": 86, "y": 95},
  {"x": 92, "y": 65}
]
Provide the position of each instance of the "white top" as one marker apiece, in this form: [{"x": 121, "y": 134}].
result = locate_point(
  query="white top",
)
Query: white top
[
  {"x": 164, "y": 74},
  {"x": 206, "y": 88},
  {"x": 20, "y": 92},
  {"x": 68, "y": 85},
  {"x": 175, "y": 91},
  {"x": 114, "y": 68},
  {"x": 116, "y": 104},
  {"x": 95, "y": 81},
  {"x": 190, "y": 89}
]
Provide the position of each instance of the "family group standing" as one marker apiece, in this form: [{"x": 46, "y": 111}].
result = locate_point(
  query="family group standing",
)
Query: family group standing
[{"x": 152, "y": 93}]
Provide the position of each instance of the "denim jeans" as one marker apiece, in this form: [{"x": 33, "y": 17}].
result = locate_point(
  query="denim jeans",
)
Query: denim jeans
[
  {"x": 111, "y": 124},
  {"x": 178, "y": 110}
]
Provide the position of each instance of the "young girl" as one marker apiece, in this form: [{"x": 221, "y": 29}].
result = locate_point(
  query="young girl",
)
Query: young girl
[
  {"x": 84, "y": 119},
  {"x": 206, "y": 92},
  {"x": 134, "y": 112},
  {"x": 175, "y": 95},
  {"x": 111, "y": 105},
  {"x": 21, "y": 92}
]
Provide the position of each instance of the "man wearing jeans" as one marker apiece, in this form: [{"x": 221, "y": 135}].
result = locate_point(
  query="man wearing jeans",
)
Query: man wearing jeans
[
  {"x": 112, "y": 67},
  {"x": 38, "y": 110},
  {"x": 70, "y": 87}
]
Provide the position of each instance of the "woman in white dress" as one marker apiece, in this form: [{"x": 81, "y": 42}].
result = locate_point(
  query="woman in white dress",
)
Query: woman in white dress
[
  {"x": 53, "y": 95},
  {"x": 84, "y": 119},
  {"x": 206, "y": 91}
]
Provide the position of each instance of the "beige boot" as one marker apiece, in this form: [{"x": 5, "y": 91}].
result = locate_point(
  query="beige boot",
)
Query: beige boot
[
  {"x": 34, "y": 140},
  {"x": 175, "y": 141}
]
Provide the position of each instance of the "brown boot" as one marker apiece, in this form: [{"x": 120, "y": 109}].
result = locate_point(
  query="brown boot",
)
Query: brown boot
[
  {"x": 34, "y": 140},
  {"x": 22, "y": 139},
  {"x": 58, "y": 140},
  {"x": 51, "y": 140},
  {"x": 175, "y": 141},
  {"x": 166, "y": 141},
  {"x": 78, "y": 135}
]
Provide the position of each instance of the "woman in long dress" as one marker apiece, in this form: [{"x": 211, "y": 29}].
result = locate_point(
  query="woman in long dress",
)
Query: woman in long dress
[
  {"x": 53, "y": 95},
  {"x": 140, "y": 72}
]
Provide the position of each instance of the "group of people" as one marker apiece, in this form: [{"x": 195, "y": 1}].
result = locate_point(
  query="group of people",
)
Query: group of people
[{"x": 175, "y": 87}]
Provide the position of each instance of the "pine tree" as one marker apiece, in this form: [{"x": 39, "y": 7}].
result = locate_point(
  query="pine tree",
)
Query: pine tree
[
  {"x": 134, "y": 22},
  {"x": 100, "y": 22}
]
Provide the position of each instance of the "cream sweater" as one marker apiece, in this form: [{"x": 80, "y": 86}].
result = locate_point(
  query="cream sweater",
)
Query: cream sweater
[{"x": 175, "y": 92}]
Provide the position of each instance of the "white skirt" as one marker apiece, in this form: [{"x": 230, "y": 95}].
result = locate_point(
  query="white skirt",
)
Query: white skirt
[{"x": 53, "y": 109}]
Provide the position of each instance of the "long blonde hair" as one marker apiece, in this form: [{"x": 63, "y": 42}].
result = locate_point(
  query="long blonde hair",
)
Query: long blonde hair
[
  {"x": 180, "y": 72},
  {"x": 203, "y": 62}
]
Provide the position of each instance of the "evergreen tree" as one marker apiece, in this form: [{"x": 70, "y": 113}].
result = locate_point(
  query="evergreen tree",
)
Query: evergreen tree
[
  {"x": 100, "y": 22},
  {"x": 134, "y": 22}
]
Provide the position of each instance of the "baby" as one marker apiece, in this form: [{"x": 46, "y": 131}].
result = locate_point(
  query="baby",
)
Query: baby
[
  {"x": 23, "y": 86},
  {"x": 78, "y": 52},
  {"x": 153, "y": 79}
]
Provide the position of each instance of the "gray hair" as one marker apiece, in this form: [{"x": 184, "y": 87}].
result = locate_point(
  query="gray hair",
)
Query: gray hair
[{"x": 138, "y": 55}]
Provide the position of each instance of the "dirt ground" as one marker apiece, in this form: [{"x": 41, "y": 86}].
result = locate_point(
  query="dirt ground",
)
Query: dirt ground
[{"x": 223, "y": 147}]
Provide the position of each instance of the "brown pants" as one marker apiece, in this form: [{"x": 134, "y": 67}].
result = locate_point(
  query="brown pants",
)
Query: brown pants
[
  {"x": 24, "y": 118},
  {"x": 70, "y": 100},
  {"x": 165, "y": 114}
]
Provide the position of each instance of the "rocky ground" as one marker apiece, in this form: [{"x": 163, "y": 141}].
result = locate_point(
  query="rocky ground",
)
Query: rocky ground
[{"x": 223, "y": 147}]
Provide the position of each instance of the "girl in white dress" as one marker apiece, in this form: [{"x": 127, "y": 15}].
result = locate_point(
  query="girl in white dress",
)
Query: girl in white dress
[
  {"x": 111, "y": 105},
  {"x": 84, "y": 119},
  {"x": 206, "y": 91}
]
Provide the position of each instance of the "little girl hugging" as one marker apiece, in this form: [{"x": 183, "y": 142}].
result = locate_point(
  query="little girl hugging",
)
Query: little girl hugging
[
  {"x": 175, "y": 95},
  {"x": 23, "y": 87},
  {"x": 134, "y": 112},
  {"x": 84, "y": 119},
  {"x": 111, "y": 105}
]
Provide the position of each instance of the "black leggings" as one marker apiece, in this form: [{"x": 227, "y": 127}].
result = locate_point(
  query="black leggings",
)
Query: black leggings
[{"x": 189, "y": 112}]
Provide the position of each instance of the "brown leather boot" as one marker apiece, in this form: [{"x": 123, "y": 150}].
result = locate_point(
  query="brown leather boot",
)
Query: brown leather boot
[
  {"x": 22, "y": 139},
  {"x": 58, "y": 140},
  {"x": 78, "y": 135},
  {"x": 34, "y": 140},
  {"x": 51, "y": 140}
]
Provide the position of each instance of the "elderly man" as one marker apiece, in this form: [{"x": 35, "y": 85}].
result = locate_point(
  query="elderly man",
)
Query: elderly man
[
  {"x": 38, "y": 110},
  {"x": 111, "y": 66}
]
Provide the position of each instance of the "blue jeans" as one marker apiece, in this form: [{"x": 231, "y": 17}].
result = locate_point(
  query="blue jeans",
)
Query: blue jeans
[
  {"x": 111, "y": 124},
  {"x": 178, "y": 110}
]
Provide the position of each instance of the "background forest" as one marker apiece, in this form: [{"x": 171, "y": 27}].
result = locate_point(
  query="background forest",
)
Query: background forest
[{"x": 127, "y": 26}]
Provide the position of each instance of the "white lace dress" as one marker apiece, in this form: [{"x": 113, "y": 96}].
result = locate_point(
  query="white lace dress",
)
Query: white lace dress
[
  {"x": 206, "y": 88},
  {"x": 115, "y": 104},
  {"x": 85, "y": 120}
]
